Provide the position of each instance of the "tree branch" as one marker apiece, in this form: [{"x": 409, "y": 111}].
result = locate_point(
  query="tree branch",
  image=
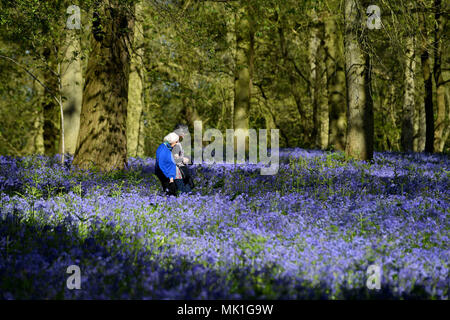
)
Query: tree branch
[{"x": 30, "y": 73}]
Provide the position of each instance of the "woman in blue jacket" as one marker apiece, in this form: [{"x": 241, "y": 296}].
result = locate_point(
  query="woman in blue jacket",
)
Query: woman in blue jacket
[{"x": 166, "y": 170}]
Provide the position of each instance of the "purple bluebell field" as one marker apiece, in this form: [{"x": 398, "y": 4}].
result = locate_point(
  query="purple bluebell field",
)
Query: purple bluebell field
[{"x": 308, "y": 232}]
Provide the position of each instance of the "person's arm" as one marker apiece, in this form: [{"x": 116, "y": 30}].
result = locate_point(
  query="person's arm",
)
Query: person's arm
[{"x": 176, "y": 151}]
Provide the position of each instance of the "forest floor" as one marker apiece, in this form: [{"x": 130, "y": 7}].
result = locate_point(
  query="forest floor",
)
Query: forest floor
[{"x": 309, "y": 232}]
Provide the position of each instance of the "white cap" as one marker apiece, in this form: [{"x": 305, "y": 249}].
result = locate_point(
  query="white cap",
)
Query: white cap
[{"x": 171, "y": 138}]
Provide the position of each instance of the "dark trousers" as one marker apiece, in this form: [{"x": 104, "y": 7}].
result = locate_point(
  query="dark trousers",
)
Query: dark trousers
[
  {"x": 187, "y": 178},
  {"x": 182, "y": 186},
  {"x": 164, "y": 181}
]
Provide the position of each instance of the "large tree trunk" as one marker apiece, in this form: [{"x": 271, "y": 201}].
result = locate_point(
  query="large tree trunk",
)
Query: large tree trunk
[
  {"x": 335, "y": 84},
  {"x": 359, "y": 143},
  {"x": 135, "y": 93},
  {"x": 441, "y": 122},
  {"x": 244, "y": 29},
  {"x": 407, "y": 137},
  {"x": 318, "y": 84},
  {"x": 102, "y": 141},
  {"x": 72, "y": 90}
]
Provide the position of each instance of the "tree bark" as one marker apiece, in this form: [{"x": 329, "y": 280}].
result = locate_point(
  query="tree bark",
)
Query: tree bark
[
  {"x": 135, "y": 91},
  {"x": 360, "y": 129},
  {"x": 72, "y": 90},
  {"x": 407, "y": 136},
  {"x": 335, "y": 84},
  {"x": 441, "y": 122},
  {"x": 244, "y": 28},
  {"x": 318, "y": 83},
  {"x": 102, "y": 140}
]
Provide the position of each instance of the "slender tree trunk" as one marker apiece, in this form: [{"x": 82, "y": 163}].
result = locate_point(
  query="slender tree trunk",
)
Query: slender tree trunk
[
  {"x": 72, "y": 90},
  {"x": 38, "y": 137},
  {"x": 322, "y": 96},
  {"x": 407, "y": 137},
  {"x": 102, "y": 141},
  {"x": 428, "y": 84},
  {"x": 244, "y": 68},
  {"x": 441, "y": 122},
  {"x": 335, "y": 84},
  {"x": 314, "y": 45},
  {"x": 420, "y": 128},
  {"x": 358, "y": 76},
  {"x": 141, "y": 138},
  {"x": 135, "y": 91}
]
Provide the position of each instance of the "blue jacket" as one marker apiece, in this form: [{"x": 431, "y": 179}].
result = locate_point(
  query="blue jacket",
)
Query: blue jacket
[{"x": 165, "y": 161}]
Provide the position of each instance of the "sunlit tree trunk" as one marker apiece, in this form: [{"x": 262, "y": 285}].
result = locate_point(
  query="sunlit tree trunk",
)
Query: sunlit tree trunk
[
  {"x": 360, "y": 132},
  {"x": 135, "y": 91},
  {"x": 102, "y": 141},
  {"x": 407, "y": 137},
  {"x": 323, "y": 112},
  {"x": 442, "y": 123},
  {"x": 335, "y": 84},
  {"x": 72, "y": 90},
  {"x": 244, "y": 28},
  {"x": 313, "y": 49},
  {"x": 318, "y": 83}
]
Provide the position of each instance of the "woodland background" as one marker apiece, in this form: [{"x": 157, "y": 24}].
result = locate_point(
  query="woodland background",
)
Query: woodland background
[{"x": 312, "y": 69}]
